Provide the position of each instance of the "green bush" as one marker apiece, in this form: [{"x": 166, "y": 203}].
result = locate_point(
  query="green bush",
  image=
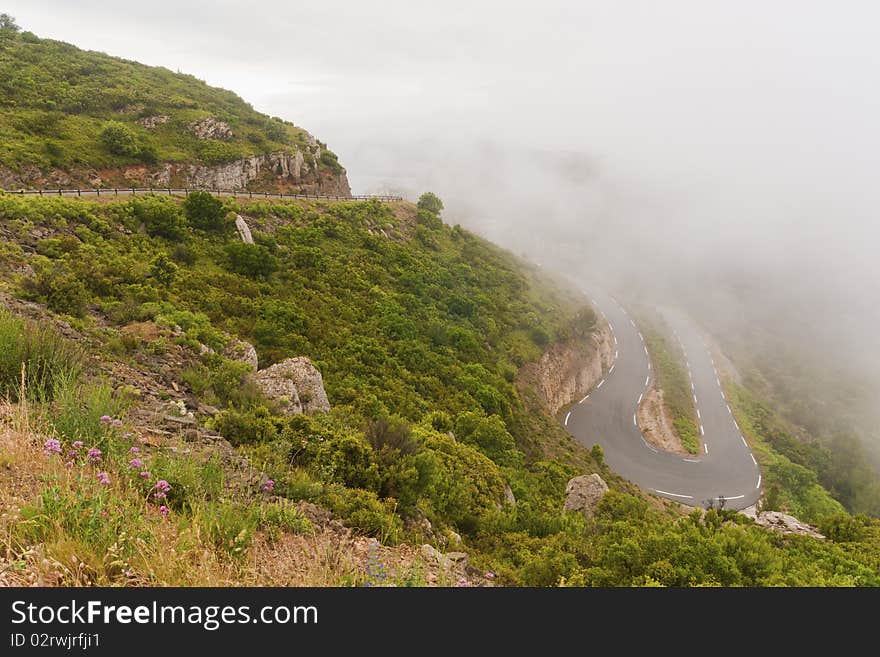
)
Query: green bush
[
  {"x": 251, "y": 260},
  {"x": 204, "y": 210},
  {"x": 242, "y": 427},
  {"x": 160, "y": 216},
  {"x": 119, "y": 139}
]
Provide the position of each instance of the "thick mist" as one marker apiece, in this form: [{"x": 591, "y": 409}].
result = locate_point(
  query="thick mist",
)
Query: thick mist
[{"x": 717, "y": 156}]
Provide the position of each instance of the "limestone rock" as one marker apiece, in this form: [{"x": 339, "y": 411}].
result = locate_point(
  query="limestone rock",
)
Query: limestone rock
[
  {"x": 785, "y": 524},
  {"x": 241, "y": 351},
  {"x": 211, "y": 128},
  {"x": 244, "y": 232},
  {"x": 150, "y": 122},
  {"x": 584, "y": 493},
  {"x": 568, "y": 370},
  {"x": 296, "y": 384},
  {"x": 509, "y": 497}
]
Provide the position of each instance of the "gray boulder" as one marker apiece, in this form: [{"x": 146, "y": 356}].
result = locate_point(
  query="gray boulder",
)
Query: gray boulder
[
  {"x": 584, "y": 493},
  {"x": 296, "y": 385},
  {"x": 241, "y": 351}
]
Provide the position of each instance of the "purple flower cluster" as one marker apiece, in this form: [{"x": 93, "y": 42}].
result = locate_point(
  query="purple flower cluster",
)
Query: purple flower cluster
[
  {"x": 162, "y": 487},
  {"x": 52, "y": 446}
]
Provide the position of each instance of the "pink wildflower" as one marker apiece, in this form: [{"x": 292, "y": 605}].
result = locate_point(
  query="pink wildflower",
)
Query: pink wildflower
[
  {"x": 135, "y": 464},
  {"x": 51, "y": 446},
  {"x": 269, "y": 485},
  {"x": 163, "y": 510},
  {"x": 162, "y": 488},
  {"x": 135, "y": 450},
  {"x": 94, "y": 455},
  {"x": 68, "y": 464},
  {"x": 106, "y": 419},
  {"x": 103, "y": 478},
  {"x": 77, "y": 444},
  {"x": 145, "y": 474}
]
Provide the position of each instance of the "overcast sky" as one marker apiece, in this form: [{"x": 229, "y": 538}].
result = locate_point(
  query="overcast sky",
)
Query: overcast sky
[{"x": 693, "y": 137}]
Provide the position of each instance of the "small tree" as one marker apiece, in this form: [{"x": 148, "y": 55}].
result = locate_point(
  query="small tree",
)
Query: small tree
[
  {"x": 163, "y": 270},
  {"x": 8, "y": 26},
  {"x": 204, "y": 210},
  {"x": 119, "y": 139},
  {"x": 430, "y": 202}
]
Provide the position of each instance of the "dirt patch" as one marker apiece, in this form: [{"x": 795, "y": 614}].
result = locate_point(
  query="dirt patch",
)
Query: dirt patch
[{"x": 656, "y": 424}]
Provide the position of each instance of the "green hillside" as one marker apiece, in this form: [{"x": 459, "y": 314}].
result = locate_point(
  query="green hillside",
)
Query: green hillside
[
  {"x": 66, "y": 108},
  {"x": 419, "y": 329}
]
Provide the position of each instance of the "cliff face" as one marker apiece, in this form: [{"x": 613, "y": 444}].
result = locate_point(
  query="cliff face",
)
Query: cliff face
[
  {"x": 273, "y": 172},
  {"x": 568, "y": 370}
]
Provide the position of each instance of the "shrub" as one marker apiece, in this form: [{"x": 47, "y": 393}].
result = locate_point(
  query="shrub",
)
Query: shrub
[
  {"x": 119, "y": 139},
  {"x": 58, "y": 287},
  {"x": 204, "y": 210},
  {"x": 251, "y": 260},
  {"x": 160, "y": 216},
  {"x": 163, "y": 270},
  {"x": 255, "y": 425}
]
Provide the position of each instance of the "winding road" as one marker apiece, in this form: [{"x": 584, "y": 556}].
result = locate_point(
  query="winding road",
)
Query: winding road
[{"x": 607, "y": 416}]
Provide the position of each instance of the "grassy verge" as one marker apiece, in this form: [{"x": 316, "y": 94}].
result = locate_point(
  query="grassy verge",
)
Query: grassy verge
[
  {"x": 791, "y": 482},
  {"x": 671, "y": 377}
]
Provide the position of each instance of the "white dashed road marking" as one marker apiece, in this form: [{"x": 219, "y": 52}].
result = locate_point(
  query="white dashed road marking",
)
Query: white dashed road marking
[
  {"x": 702, "y": 433},
  {"x": 566, "y": 418},
  {"x": 699, "y": 417},
  {"x": 640, "y": 399},
  {"x": 753, "y": 459},
  {"x": 706, "y": 448},
  {"x": 600, "y": 384},
  {"x": 647, "y": 378},
  {"x": 611, "y": 370},
  {"x": 744, "y": 440},
  {"x": 663, "y": 492},
  {"x": 584, "y": 399},
  {"x": 692, "y": 460},
  {"x": 758, "y": 485}
]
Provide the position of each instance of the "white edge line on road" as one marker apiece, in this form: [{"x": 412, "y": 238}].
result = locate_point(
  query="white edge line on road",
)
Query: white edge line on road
[
  {"x": 584, "y": 399},
  {"x": 695, "y": 400},
  {"x": 702, "y": 433},
  {"x": 663, "y": 492},
  {"x": 611, "y": 370},
  {"x": 717, "y": 381},
  {"x": 649, "y": 366},
  {"x": 753, "y": 459},
  {"x": 600, "y": 384},
  {"x": 728, "y": 409},
  {"x": 640, "y": 399},
  {"x": 699, "y": 417},
  {"x": 633, "y": 323},
  {"x": 615, "y": 340},
  {"x": 693, "y": 389},
  {"x": 635, "y": 424},
  {"x": 758, "y": 485},
  {"x": 641, "y": 337},
  {"x": 735, "y": 497},
  {"x": 566, "y": 418},
  {"x": 742, "y": 438},
  {"x": 647, "y": 379},
  {"x": 706, "y": 448},
  {"x": 646, "y": 352},
  {"x": 691, "y": 460}
]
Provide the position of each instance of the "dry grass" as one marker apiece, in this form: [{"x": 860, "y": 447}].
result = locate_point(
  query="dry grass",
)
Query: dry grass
[{"x": 172, "y": 551}]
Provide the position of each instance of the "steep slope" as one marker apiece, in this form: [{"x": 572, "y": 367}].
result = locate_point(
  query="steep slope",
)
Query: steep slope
[{"x": 76, "y": 118}]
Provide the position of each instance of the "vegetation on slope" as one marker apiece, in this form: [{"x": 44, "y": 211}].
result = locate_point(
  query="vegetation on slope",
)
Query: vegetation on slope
[
  {"x": 668, "y": 361},
  {"x": 64, "y": 107},
  {"x": 419, "y": 329}
]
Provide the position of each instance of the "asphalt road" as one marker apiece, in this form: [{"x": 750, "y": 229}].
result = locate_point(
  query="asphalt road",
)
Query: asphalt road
[{"x": 725, "y": 467}]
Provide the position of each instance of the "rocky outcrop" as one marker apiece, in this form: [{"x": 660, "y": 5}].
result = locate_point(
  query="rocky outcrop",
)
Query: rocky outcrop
[
  {"x": 296, "y": 385},
  {"x": 568, "y": 370},
  {"x": 151, "y": 122},
  {"x": 656, "y": 424},
  {"x": 211, "y": 128},
  {"x": 241, "y": 351},
  {"x": 293, "y": 172},
  {"x": 244, "y": 232},
  {"x": 584, "y": 493},
  {"x": 782, "y": 523}
]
